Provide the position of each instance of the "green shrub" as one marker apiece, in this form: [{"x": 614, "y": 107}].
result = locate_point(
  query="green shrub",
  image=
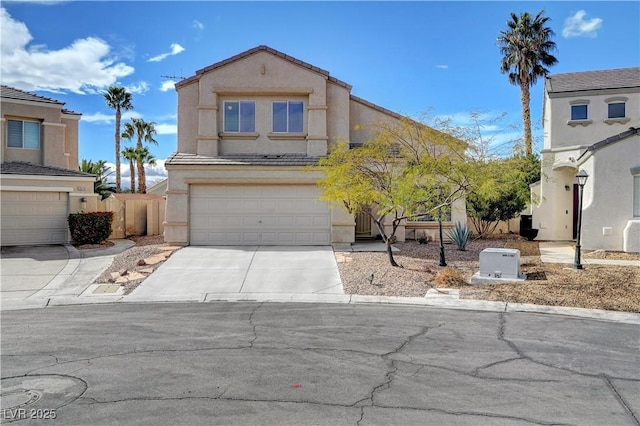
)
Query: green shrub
[
  {"x": 460, "y": 235},
  {"x": 90, "y": 228}
]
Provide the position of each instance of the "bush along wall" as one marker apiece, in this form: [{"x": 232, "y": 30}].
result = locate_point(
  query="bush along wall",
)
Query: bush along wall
[{"x": 90, "y": 228}]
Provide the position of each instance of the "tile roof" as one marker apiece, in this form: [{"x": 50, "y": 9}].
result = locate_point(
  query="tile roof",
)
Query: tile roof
[
  {"x": 7, "y": 92},
  {"x": 611, "y": 140},
  {"x": 180, "y": 158},
  {"x": 24, "y": 168},
  {"x": 593, "y": 80},
  {"x": 274, "y": 52},
  {"x": 13, "y": 93}
]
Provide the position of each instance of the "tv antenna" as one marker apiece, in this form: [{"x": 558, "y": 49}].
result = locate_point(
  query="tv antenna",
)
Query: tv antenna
[{"x": 174, "y": 77}]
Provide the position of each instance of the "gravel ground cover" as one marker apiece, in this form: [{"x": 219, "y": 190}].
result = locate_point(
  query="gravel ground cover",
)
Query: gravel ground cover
[
  {"x": 129, "y": 260},
  {"x": 595, "y": 287}
]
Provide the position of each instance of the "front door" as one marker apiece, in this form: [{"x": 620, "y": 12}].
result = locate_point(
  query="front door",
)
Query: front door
[{"x": 363, "y": 224}]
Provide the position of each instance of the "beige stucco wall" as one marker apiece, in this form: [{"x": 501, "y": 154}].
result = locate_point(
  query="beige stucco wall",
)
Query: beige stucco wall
[
  {"x": 362, "y": 117},
  {"x": 608, "y": 194},
  {"x": 558, "y": 115},
  {"x": 58, "y": 136}
]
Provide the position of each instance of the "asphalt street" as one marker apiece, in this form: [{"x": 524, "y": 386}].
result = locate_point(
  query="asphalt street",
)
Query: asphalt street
[{"x": 281, "y": 363}]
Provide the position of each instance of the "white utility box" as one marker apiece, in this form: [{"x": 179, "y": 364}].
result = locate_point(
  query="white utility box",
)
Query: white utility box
[{"x": 498, "y": 264}]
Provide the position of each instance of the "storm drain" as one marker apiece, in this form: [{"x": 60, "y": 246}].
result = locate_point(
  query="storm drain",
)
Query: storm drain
[{"x": 37, "y": 397}]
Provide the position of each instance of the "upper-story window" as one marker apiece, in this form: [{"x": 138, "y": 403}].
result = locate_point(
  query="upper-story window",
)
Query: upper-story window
[
  {"x": 616, "y": 110},
  {"x": 23, "y": 134},
  {"x": 288, "y": 117},
  {"x": 579, "y": 112},
  {"x": 240, "y": 116}
]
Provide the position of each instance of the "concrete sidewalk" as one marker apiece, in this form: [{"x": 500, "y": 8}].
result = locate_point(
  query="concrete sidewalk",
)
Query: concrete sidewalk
[
  {"x": 31, "y": 276},
  {"x": 564, "y": 252}
]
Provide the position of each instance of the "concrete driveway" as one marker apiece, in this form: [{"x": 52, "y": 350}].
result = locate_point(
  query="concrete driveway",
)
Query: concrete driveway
[
  {"x": 220, "y": 270},
  {"x": 27, "y": 270}
]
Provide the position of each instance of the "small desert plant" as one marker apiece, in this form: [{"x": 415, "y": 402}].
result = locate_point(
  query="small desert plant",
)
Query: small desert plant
[
  {"x": 449, "y": 278},
  {"x": 460, "y": 235}
]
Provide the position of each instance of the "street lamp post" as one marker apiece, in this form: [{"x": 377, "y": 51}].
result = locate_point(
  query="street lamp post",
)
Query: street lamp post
[{"x": 582, "y": 180}]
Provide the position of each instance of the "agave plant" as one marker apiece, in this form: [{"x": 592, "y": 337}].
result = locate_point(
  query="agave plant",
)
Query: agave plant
[{"x": 460, "y": 235}]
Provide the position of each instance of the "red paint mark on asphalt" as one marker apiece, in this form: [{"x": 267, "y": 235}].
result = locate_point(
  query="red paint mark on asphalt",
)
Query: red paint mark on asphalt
[{"x": 297, "y": 386}]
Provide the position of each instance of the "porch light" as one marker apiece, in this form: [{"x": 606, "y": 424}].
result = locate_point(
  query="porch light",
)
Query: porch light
[{"x": 582, "y": 180}]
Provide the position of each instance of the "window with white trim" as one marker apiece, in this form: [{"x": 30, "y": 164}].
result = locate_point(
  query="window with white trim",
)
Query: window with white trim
[
  {"x": 636, "y": 196},
  {"x": 288, "y": 116},
  {"x": 239, "y": 116},
  {"x": 23, "y": 134}
]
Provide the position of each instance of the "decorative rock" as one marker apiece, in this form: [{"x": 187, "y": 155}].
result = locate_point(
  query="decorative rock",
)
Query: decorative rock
[
  {"x": 146, "y": 270},
  {"x": 154, "y": 260},
  {"x": 141, "y": 262},
  {"x": 170, "y": 248},
  {"x": 135, "y": 276},
  {"x": 115, "y": 275},
  {"x": 124, "y": 273},
  {"x": 122, "y": 280}
]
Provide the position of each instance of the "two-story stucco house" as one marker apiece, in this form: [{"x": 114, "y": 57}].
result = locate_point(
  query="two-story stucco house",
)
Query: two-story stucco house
[
  {"x": 248, "y": 127},
  {"x": 39, "y": 179},
  {"x": 591, "y": 123}
]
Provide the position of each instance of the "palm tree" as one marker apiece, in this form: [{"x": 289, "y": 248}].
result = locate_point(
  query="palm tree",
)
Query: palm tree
[
  {"x": 526, "y": 52},
  {"x": 119, "y": 99},
  {"x": 143, "y": 131},
  {"x": 143, "y": 156},
  {"x": 129, "y": 153},
  {"x": 101, "y": 185}
]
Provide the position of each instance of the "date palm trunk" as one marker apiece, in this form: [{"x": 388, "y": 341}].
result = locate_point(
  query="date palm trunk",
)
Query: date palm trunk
[{"x": 525, "y": 99}]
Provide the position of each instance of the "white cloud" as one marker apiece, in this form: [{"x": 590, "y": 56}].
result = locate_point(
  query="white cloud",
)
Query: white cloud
[
  {"x": 198, "y": 25},
  {"x": 139, "y": 88},
  {"x": 577, "y": 26},
  {"x": 167, "y": 129},
  {"x": 442, "y": 67},
  {"x": 103, "y": 118},
  {"x": 175, "y": 49},
  {"x": 154, "y": 174},
  {"x": 168, "y": 85},
  {"x": 82, "y": 67}
]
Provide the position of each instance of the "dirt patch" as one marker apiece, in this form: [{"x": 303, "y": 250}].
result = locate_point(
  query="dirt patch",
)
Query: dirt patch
[
  {"x": 595, "y": 287},
  {"x": 613, "y": 255}
]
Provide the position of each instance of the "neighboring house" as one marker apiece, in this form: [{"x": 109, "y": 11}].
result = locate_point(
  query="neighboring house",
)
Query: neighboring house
[
  {"x": 39, "y": 179},
  {"x": 591, "y": 122},
  {"x": 248, "y": 127},
  {"x": 159, "y": 188}
]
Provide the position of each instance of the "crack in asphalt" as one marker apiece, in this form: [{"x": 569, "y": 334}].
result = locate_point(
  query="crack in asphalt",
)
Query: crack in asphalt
[
  {"x": 363, "y": 404},
  {"x": 606, "y": 378},
  {"x": 620, "y": 398}
]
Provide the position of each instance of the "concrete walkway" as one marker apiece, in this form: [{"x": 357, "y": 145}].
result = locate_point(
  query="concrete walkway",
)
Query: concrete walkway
[{"x": 564, "y": 252}]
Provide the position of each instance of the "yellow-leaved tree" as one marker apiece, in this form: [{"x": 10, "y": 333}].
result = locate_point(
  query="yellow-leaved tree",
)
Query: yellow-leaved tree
[{"x": 405, "y": 170}]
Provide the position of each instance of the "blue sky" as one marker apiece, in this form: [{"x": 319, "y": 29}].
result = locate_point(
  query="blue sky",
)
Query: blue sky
[{"x": 410, "y": 57}]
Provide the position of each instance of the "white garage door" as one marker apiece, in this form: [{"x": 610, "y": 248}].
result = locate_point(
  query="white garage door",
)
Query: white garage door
[
  {"x": 34, "y": 218},
  {"x": 258, "y": 215}
]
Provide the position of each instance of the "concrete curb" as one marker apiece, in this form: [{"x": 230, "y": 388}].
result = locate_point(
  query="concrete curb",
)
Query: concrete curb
[{"x": 445, "y": 303}]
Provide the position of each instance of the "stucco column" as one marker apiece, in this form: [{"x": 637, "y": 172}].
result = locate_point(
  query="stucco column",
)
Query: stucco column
[
  {"x": 52, "y": 145},
  {"x": 317, "y": 130},
  {"x": 208, "y": 127}
]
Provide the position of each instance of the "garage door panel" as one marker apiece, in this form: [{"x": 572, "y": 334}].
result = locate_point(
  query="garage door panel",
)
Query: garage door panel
[
  {"x": 34, "y": 218},
  {"x": 254, "y": 215}
]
